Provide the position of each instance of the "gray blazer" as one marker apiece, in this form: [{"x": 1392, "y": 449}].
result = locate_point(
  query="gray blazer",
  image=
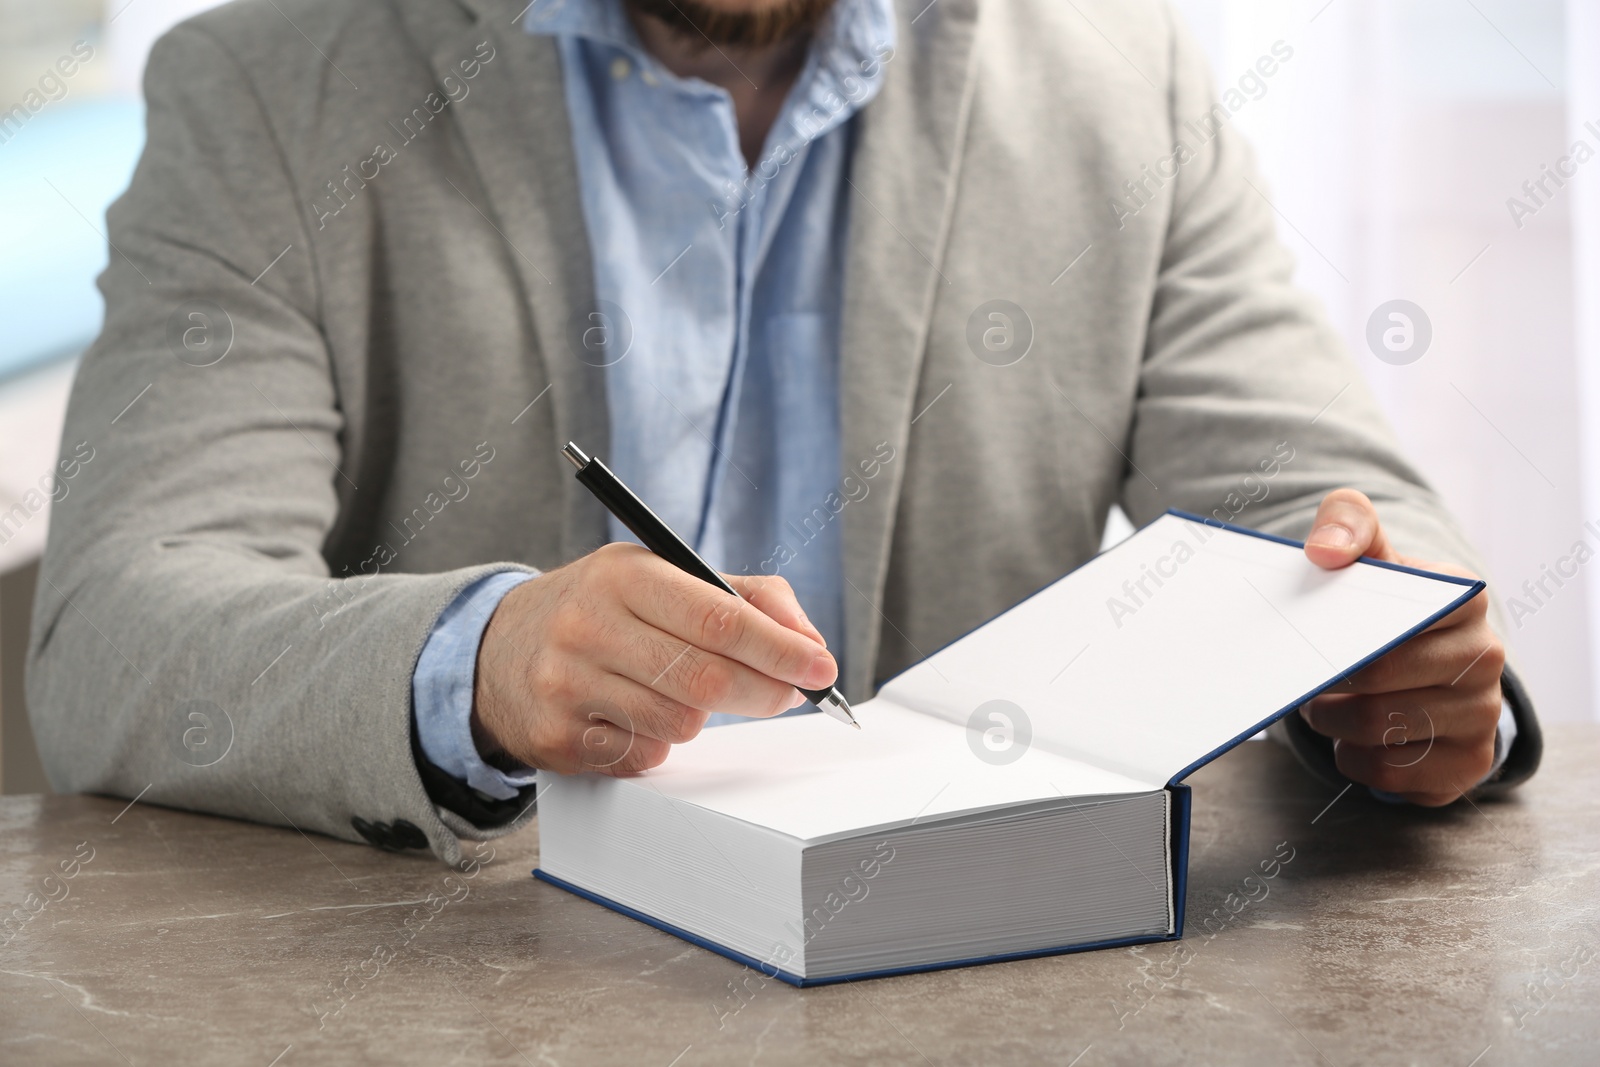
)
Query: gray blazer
[{"x": 342, "y": 333}]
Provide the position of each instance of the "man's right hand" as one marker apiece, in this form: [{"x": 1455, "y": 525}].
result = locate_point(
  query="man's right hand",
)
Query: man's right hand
[{"x": 606, "y": 663}]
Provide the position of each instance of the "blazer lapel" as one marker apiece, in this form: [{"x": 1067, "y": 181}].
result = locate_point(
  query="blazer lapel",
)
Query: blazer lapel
[
  {"x": 903, "y": 183},
  {"x": 514, "y": 125}
]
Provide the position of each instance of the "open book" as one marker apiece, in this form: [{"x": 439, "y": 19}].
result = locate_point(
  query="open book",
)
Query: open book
[{"x": 1016, "y": 793}]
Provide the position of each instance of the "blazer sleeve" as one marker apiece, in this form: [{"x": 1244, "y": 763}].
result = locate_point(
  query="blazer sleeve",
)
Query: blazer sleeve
[
  {"x": 189, "y": 644},
  {"x": 1249, "y": 407}
]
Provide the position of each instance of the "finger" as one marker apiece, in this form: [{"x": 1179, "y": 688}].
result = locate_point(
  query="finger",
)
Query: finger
[
  {"x": 709, "y": 618},
  {"x": 583, "y": 739},
  {"x": 1445, "y": 771},
  {"x": 1412, "y": 718},
  {"x": 774, "y": 597},
  {"x": 694, "y": 677},
  {"x": 1461, "y": 657},
  {"x": 638, "y": 709},
  {"x": 603, "y": 747},
  {"x": 1475, "y": 610},
  {"x": 1346, "y": 528}
]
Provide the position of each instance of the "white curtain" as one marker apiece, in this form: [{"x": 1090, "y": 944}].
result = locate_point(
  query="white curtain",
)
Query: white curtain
[
  {"x": 132, "y": 27},
  {"x": 1392, "y": 143},
  {"x": 1583, "y": 123}
]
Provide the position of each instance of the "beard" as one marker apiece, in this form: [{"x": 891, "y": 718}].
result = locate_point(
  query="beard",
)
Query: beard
[{"x": 707, "y": 20}]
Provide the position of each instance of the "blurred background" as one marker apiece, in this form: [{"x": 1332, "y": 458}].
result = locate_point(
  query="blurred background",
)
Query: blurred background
[{"x": 1396, "y": 143}]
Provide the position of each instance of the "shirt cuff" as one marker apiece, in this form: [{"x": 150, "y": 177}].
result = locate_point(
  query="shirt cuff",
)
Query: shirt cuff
[
  {"x": 442, "y": 688},
  {"x": 1505, "y": 735}
]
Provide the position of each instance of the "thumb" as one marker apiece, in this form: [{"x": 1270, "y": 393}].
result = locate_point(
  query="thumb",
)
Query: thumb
[{"x": 1346, "y": 527}]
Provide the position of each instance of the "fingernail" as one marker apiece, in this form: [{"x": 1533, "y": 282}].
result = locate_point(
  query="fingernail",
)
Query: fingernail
[
  {"x": 822, "y": 672},
  {"x": 1332, "y": 536}
]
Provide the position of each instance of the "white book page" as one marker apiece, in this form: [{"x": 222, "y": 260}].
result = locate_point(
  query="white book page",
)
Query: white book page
[
  {"x": 815, "y": 779},
  {"x": 1181, "y": 639}
]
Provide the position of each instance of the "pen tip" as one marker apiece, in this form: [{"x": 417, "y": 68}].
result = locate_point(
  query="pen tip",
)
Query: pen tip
[{"x": 834, "y": 703}]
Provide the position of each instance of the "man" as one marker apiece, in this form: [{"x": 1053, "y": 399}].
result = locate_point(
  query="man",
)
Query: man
[{"x": 883, "y": 306}]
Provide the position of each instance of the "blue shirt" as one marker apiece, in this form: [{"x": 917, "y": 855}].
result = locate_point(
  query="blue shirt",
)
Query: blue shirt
[{"x": 719, "y": 299}]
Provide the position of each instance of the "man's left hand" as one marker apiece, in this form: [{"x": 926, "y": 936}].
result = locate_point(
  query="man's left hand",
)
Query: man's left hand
[{"x": 1420, "y": 722}]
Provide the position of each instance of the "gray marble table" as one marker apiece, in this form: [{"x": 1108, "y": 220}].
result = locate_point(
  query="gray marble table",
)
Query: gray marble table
[{"x": 1468, "y": 937}]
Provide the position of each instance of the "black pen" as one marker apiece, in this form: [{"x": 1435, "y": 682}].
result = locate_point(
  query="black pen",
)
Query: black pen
[{"x": 658, "y": 537}]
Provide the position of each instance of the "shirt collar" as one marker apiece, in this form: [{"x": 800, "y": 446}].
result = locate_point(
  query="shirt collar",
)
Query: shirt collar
[
  {"x": 595, "y": 20},
  {"x": 843, "y": 70}
]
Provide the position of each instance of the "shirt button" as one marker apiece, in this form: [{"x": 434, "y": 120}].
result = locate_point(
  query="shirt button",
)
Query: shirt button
[
  {"x": 620, "y": 68},
  {"x": 649, "y": 77}
]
